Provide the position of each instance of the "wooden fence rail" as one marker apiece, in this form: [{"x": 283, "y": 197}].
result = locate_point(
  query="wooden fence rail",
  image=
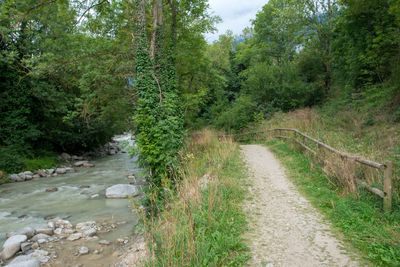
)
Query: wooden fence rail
[{"x": 386, "y": 168}]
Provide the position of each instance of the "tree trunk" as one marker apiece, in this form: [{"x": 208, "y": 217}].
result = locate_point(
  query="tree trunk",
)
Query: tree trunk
[{"x": 157, "y": 22}]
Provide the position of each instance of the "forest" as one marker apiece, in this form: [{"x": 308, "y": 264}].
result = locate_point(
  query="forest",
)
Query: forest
[{"x": 69, "y": 69}]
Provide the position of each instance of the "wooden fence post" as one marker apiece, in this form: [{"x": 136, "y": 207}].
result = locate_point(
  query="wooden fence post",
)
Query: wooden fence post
[{"x": 387, "y": 186}]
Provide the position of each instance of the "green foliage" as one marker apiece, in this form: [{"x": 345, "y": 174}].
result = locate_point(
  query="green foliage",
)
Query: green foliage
[
  {"x": 61, "y": 86},
  {"x": 361, "y": 220},
  {"x": 11, "y": 160},
  {"x": 158, "y": 118},
  {"x": 41, "y": 161}
]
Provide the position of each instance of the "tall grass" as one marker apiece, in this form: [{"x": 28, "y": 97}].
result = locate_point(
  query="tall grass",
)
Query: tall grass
[
  {"x": 202, "y": 222},
  {"x": 349, "y": 131},
  {"x": 375, "y": 233}
]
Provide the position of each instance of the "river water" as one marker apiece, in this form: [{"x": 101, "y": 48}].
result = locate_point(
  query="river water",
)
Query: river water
[{"x": 28, "y": 203}]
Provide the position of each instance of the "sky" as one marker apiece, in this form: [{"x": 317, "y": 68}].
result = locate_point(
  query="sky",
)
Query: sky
[{"x": 236, "y": 15}]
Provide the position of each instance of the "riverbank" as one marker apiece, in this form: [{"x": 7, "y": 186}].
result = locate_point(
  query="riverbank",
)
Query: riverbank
[{"x": 77, "y": 197}]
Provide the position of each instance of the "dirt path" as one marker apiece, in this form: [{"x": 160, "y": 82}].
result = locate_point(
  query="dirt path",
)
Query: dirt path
[{"x": 285, "y": 230}]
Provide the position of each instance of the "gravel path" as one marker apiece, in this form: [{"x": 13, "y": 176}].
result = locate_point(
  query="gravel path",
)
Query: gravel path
[{"x": 285, "y": 230}]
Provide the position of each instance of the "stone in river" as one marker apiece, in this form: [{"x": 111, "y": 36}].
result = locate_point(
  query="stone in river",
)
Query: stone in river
[
  {"x": 42, "y": 173},
  {"x": 28, "y": 231},
  {"x": 84, "y": 186},
  {"x": 94, "y": 196},
  {"x": 61, "y": 170},
  {"x": 122, "y": 191},
  {"x": 44, "y": 230},
  {"x": 12, "y": 246},
  {"x": 50, "y": 171},
  {"x": 80, "y": 163},
  {"x": 28, "y": 177},
  {"x": 25, "y": 261},
  {"x": 53, "y": 189},
  {"x": 40, "y": 236},
  {"x": 15, "y": 178},
  {"x": 88, "y": 165}
]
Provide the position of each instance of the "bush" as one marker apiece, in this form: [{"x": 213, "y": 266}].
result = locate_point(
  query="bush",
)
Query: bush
[{"x": 11, "y": 160}]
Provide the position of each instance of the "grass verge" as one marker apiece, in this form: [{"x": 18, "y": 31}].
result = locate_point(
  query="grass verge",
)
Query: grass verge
[
  {"x": 202, "y": 223},
  {"x": 360, "y": 219}
]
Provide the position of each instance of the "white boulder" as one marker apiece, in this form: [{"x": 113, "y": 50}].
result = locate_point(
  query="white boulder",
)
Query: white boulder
[{"x": 122, "y": 191}]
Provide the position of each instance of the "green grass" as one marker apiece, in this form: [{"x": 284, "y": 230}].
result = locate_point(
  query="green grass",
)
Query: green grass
[
  {"x": 203, "y": 226},
  {"x": 360, "y": 219},
  {"x": 41, "y": 162}
]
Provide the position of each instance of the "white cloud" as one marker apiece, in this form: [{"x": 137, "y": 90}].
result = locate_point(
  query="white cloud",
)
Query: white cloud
[{"x": 236, "y": 15}]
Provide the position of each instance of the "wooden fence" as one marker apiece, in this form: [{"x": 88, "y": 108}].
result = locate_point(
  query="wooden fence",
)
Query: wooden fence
[{"x": 301, "y": 139}]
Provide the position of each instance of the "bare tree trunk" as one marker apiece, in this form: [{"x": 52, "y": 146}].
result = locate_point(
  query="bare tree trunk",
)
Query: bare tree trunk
[
  {"x": 158, "y": 21},
  {"x": 329, "y": 52}
]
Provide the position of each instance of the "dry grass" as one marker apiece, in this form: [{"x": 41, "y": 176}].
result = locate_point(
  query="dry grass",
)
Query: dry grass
[
  {"x": 345, "y": 130},
  {"x": 182, "y": 232}
]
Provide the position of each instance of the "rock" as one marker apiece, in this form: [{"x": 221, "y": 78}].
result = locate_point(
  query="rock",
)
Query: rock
[
  {"x": 25, "y": 261},
  {"x": 65, "y": 156},
  {"x": 28, "y": 231},
  {"x": 84, "y": 186},
  {"x": 51, "y": 225},
  {"x": 61, "y": 170},
  {"x": 50, "y": 171},
  {"x": 54, "y": 174},
  {"x": 94, "y": 196},
  {"x": 25, "y": 246},
  {"x": 53, "y": 189},
  {"x": 90, "y": 232},
  {"x": 69, "y": 231},
  {"x": 12, "y": 246},
  {"x": 42, "y": 173},
  {"x": 28, "y": 177},
  {"x": 82, "y": 226},
  {"x": 121, "y": 191},
  {"x": 58, "y": 231},
  {"x": 41, "y": 255},
  {"x": 104, "y": 242},
  {"x": 40, "y": 236},
  {"x": 36, "y": 176},
  {"x": 42, "y": 240},
  {"x": 74, "y": 157},
  {"x": 120, "y": 240},
  {"x": 69, "y": 169},
  {"x": 83, "y": 250},
  {"x": 131, "y": 177},
  {"x": 80, "y": 163},
  {"x": 74, "y": 237},
  {"x": 35, "y": 245},
  {"x": 47, "y": 231},
  {"x": 21, "y": 175},
  {"x": 88, "y": 165},
  {"x": 15, "y": 178},
  {"x": 28, "y": 173},
  {"x": 96, "y": 252}
]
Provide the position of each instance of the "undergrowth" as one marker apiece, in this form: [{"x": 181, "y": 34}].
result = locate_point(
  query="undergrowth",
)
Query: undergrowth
[
  {"x": 360, "y": 218},
  {"x": 202, "y": 223}
]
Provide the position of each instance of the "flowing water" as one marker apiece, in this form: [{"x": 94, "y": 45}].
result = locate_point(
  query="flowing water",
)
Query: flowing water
[{"x": 28, "y": 203}]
